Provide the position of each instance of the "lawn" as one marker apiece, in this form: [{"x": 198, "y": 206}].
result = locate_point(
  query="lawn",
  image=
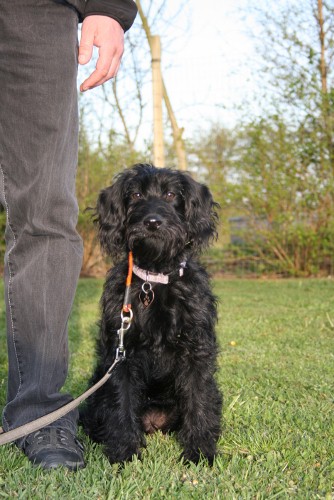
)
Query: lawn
[{"x": 276, "y": 370}]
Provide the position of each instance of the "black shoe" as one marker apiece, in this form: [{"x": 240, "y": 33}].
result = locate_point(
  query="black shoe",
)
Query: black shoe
[{"x": 51, "y": 447}]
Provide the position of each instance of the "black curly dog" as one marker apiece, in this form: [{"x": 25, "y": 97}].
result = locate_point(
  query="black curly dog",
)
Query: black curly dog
[{"x": 166, "y": 380}]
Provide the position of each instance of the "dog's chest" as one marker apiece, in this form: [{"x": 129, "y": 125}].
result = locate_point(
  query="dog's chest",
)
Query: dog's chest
[{"x": 158, "y": 317}]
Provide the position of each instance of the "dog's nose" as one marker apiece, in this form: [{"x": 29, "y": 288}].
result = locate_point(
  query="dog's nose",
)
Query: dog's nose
[{"x": 152, "y": 223}]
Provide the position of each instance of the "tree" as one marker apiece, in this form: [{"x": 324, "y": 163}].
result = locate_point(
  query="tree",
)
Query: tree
[
  {"x": 283, "y": 165},
  {"x": 296, "y": 45},
  {"x": 286, "y": 225},
  {"x": 210, "y": 157}
]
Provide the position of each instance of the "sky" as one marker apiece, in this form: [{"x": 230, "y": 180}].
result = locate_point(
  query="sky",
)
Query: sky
[
  {"x": 206, "y": 62},
  {"x": 209, "y": 72}
]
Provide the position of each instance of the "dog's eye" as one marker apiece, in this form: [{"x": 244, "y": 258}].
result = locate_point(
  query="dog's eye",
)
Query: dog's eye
[
  {"x": 136, "y": 196},
  {"x": 170, "y": 196}
]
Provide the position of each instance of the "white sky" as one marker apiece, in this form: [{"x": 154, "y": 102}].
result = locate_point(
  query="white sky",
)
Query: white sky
[{"x": 209, "y": 72}]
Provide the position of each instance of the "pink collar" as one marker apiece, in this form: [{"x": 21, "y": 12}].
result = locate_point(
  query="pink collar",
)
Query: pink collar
[{"x": 148, "y": 277}]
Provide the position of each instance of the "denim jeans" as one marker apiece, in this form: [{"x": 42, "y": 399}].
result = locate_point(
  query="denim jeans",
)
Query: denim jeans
[{"x": 38, "y": 160}]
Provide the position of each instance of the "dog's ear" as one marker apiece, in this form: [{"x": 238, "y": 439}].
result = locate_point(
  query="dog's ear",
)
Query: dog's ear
[
  {"x": 110, "y": 217},
  {"x": 200, "y": 213}
]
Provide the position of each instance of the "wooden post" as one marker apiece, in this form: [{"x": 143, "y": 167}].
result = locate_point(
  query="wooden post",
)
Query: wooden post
[
  {"x": 179, "y": 144},
  {"x": 158, "y": 140}
]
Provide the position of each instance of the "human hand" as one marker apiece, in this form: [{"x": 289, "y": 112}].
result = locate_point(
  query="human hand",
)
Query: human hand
[{"x": 108, "y": 35}]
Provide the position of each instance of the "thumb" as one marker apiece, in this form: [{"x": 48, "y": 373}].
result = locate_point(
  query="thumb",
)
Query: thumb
[{"x": 86, "y": 44}]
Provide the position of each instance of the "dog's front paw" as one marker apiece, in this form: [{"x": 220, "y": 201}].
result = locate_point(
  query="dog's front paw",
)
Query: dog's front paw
[
  {"x": 196, "y": 455},
  {"x": 118, "y": 454}
]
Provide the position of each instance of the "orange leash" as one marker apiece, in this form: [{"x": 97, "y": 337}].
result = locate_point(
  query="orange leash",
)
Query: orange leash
[
  {"x": 126, "y": 309},
  {"x": 128, "y": 281}
]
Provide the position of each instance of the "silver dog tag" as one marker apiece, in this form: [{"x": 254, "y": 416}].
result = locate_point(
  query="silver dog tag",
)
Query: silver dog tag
[{"x": 146, "y": 296}]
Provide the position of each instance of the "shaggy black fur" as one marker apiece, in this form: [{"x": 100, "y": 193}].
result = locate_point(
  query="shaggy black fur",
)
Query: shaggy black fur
[{"x": 166, "y": 381}]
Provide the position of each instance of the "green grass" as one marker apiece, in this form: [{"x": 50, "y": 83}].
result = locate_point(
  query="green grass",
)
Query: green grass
[{"x": 276, "y": 370}]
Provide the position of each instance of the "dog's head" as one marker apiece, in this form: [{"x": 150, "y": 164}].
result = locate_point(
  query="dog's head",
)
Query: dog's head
[{"x": 158, "y": 213}]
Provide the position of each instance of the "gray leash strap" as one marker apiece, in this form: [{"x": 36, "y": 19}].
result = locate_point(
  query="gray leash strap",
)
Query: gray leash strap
[{"x": 39, "y": 423}]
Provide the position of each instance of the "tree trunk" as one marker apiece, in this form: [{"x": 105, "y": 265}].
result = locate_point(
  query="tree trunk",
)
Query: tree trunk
[{"x": 326, "y": 108}]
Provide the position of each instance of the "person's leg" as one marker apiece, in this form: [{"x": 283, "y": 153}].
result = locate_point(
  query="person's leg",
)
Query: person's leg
[{"x": 38, "y": 159}]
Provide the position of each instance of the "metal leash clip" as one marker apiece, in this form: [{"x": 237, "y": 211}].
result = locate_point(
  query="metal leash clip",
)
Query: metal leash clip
[{"x": 126, "y": 323}]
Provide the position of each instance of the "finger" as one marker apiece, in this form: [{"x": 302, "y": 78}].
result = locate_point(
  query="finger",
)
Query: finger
[
  {"x": 95, "y": 79},
  {"x": 99, "y": 76},
  {"x": 86, "y": 43},
  {"x": 114, "y": 67},
  {"x": 106, "y": 68}
]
